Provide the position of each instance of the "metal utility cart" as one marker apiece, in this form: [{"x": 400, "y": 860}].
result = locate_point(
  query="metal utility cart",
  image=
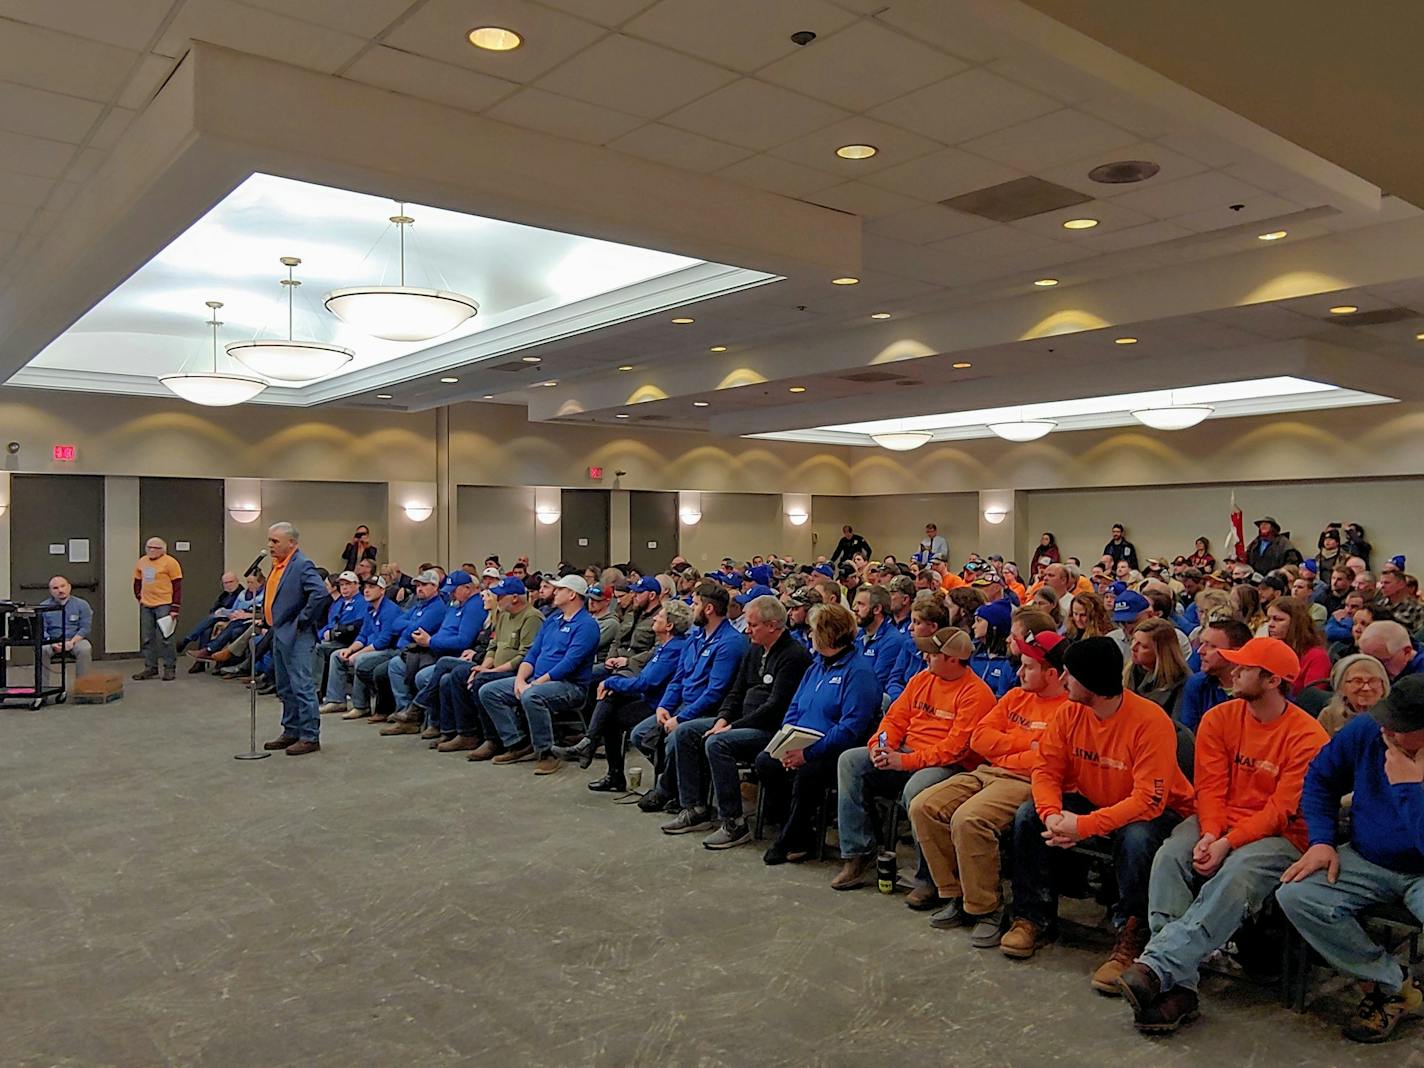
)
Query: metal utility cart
[{"x": 22, "y": 627}]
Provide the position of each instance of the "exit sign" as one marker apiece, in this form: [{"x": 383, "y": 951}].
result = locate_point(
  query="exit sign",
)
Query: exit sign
[
  {"x": 64, "y": 453},
  {"x": 595, "y": 473}
]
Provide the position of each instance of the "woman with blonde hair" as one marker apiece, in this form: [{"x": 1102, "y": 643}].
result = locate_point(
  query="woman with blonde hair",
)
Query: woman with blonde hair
[
  {"x": 1359, "y": 682},
  {"x": 1246, "y": 605},
  {"x": 1288, "y": 620},
  {"x": 1155, "y": 668},
  {"x": 1087, "y": 618}
]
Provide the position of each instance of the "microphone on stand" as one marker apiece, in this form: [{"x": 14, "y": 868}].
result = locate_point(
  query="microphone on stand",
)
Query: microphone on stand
[{"x": 256, "y": 564}]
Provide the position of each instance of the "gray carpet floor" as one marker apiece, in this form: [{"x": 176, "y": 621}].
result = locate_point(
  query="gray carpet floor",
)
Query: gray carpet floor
[{"x": 381, "y": 904}]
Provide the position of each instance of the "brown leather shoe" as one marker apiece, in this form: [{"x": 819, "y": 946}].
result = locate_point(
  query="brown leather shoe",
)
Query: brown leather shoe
[
  {"x": 486, "y": 751},
  {"x": 1131, "y": 941},
  {"x": 430, "y": 733},
  {"x": 282, "y": 741},
  {"x": 852, "y": 873},
  {"x": 547, "y": 763},
  {"x": 457, "y": 744},
  {"x": 1022, "y": 940},
  {"x": 380, "y": 717},
  {"x": 303, "y": 748},
  {"x": 410, "y": 714},
  {"x": 399, "y": 726},
  {"x": 515, "y": 755},
  {"x": 924, "y": 898},
  {"x": 222, "y": 656}
]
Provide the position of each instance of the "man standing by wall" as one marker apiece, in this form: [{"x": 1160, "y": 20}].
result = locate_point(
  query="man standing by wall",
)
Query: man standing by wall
[
  {"x": 158, "y": 588},
  {"x": 294, "y": 605}
]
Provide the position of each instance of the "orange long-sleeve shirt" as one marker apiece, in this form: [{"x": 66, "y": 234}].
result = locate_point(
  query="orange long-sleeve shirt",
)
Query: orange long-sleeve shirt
[
  {"x": 951, "y": 581},
  {"x": 934, "y": 718},
  {"x": 1249, "y": 774},
  {"x": 1007, "y": 735},
  {"x": 1126, "y": 765}
]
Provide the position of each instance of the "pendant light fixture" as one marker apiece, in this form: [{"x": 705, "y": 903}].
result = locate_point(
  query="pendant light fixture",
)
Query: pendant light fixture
[
  {"x": 901, "y": 440},
  {"x": 401, "y": 313},
  {"x": 290, "y": 360},
  {"x": 1022, "y": 429},
  {"x": 214, "y": 389},
  {"x": 1172, "y": 416}
]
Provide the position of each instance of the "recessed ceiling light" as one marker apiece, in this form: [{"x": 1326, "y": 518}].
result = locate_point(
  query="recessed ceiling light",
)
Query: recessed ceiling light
[
  {"x": 796, "y": 389},
  {"x": 1124, "y": 341},
  {"x": 683, "y": 320},
  {"x": 551, "y": 382},
  {"x": 530, "y": 359},
  {"x": 1419, "y": 337},
  {"x": 962, "y": 366},
  {"x": 494, "y": 38},
  {"x": 847, "y": 280},
  {"x": 1274, "y": 235},
  {"x": 1046, "y": 282},
  {"x": 449, "y": 381},
  {"x": 489, "y": 396},
  {"x": 625, "y": 367},
  {"x": 856, "y": 151},
  {"x": 621, "y": 415},
  {"x": 383, "y": 396},
  {"x": 700, "y": 404},
  {"x": 1080, "y": 224},
  {"x": 880, "y": 315},
  {"x": 718, "y": 348},
  {"x": 1344, "y": 309}
]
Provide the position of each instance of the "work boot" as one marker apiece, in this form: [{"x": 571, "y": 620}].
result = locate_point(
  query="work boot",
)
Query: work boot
[
  {"x": 1022, "y": 940},
  {"x": 282, "y": 741},
  {"x": 356, "y": 713},
  {"x": 924, "y": 898},
  {"x": 546, "y": 763},
  {"x": 332, "y": 707},
  {"x": 487, "y": 750},
  {"x": 852, "y": 873},
  {"x": 302, "y": 748},
  {"x": 457, "y": 744},
  {"x": 519, "y": 753},
  {"x": 146, "y": 673},
  {"x": 1139, "y": 987},
  {"x": 196, "y": 668},
  {"x": 1131, "y": 941},
  {"x": 399, "y": 726},
  {"x": 168, "y": 673},
  {"x": 1174, "y": 1008},
  {"x": 430, "y": 733},
  {"x": 988, "y": 931},
  {"x": 1380, "y": 1012}
]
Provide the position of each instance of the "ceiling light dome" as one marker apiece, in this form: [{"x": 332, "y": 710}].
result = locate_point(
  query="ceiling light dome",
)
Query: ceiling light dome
[
  {"x": 290, "y": 360},
  {"x": 401, "y": 313},
  {"x": 213, "y": 389},
  {"x": 1023, "y": 429},
  {"x": 1172, "y": 416},
  {"x": 901, "y": 440}
]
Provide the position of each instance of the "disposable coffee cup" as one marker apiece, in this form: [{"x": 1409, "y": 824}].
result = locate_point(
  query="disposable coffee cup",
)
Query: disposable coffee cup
[
  {"x": 635, "y": 778},
  {"x": 885, "y": 872}
]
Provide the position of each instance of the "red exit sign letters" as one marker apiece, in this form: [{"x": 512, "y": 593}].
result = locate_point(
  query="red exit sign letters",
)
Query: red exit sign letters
[{"x": 64, "y": 453}]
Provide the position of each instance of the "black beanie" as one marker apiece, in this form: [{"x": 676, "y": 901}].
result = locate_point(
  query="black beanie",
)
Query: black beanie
[{"x": 1097, "y": 665}]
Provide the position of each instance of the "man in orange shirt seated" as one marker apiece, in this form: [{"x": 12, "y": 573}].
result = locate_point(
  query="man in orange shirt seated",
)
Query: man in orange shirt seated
[
  {"x": 925, "y": 735},
  {"x": 958, "y": 822},
  {"x": 1222, "y": 865},
  {"x": 1108, "y": 771}
]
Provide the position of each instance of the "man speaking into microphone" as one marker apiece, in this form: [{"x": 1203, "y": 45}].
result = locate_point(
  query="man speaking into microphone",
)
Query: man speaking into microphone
[{"x": 295, "y": 597}]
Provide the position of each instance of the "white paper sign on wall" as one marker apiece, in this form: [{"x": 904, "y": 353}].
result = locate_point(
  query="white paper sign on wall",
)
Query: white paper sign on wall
[
  {"x": 56, "y": 549},
  {"x": 182, "y": 546},
  {"x": 583, "y": 543},
  {"x": 78, "y": 550},
  {"x": 652, "y": 545}
]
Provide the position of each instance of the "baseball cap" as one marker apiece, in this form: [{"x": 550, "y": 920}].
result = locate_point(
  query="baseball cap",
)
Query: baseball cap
[
  {"x": 646, "y": 584},
  {"x": 760, "y": 574},
  {"x": 951, "y": 641},
  {"x": 492, "y": 572},
  {"x": 1045, "y": 646},
  {"x": 759, "y": 590},
  {"x": 1268, "y": 654},
  {"x": 572, "y": 582},
  {"x": 459, "y": 578},
  {"x": 1403, "y": 709},
  {"x": 998, "y": 614},
  {"x": 510, "y": 587},
  {"x": 430, "y": 577},
  {"x": 1117, "y": 588},
  {"x": 378, "y": 582},
  {"x": 1128, "y": 606},
  {"x": 348, "y": 576},
  {"x": 595, "y": 592},
  {"x": 902, "y": 584},
  {"x": 824, "y": 569},
  {"x": 804, "y": 598}
]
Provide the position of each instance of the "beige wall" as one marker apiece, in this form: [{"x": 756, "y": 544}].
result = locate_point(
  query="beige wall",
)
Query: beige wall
[
  {"x": 740, "y": 525},
  {"x": 494, "y": 519},
  {"x": 324, "y": 513},
  {"x": 894, "y": 523}
]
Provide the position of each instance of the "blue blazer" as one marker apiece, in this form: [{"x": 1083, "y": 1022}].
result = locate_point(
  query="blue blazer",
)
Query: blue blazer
[{"x": 301, "y": 602}]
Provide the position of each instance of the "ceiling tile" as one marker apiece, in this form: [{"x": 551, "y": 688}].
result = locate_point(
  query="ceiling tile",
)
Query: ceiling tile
[
  {"x": 633, "y": 76},
  {"x": 1132, "y": 114},
  {"x": 603, "y": 12},
  {"x": 62, "y": 63},
  {"x": 438, "y": 30},
  {"x": 1213, "y": 151},
  {"x": 43, "y": 114},
  {"x": 34, "y": 155},
  {"x": 1050, "y": 140},
  {"x": 754, "y": 114},
  {"x": 144, "y": 82},
  {"x": 428, "y": 79},
  {"x": 365, "y": 18},
  {"x": 1199, "y": 192},
  {"x": 943, "y": 174},
  {"x": 85, "y": 164},
  {"x": 776, "y": 175},
  {"x": 25, "y": 190},
  {"x": 861, "y": 199},
  {"x": 927, "y": 223},
  {"x": 551, "y": 113},
  {"x": 14, "y": 217},
  {"x": 818, "y": 149},
  {"x": 1173, "y": 165},
  {"x": 926, "y": 264},
  {"x": 64, "y": 194},
  {"x": 261, "y": 33},
  {"x": 861, "y": 66},
  {"x": 744, "y": 35},
  {"x": 1153, "y": 233},
  {"x": 1041, "y": 258},
  {"x": 1254, "y": 208},
  {"x": 678, "y": 148},
  {"x": 967, "y": 105},
  {"x": 111, "y": 128},
  {"x": 967, "y": 38},
  {"x": 1001, "y": 240},
  {"x": 1111, "y": 215},
  {"x": 130, "y": 24},
  {"x": 1050, "y": 76}
]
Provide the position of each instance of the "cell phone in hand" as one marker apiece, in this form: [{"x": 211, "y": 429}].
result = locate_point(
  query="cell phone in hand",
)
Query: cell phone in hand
[{"x": 884, "y": 740}]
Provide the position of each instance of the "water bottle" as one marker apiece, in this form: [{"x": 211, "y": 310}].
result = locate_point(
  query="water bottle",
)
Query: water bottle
[{"x": 885, "y": 872}]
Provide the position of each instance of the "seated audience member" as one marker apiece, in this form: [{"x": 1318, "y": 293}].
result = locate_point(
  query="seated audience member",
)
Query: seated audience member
[
  {"x": 1212, "y": 684},
  {"x": 417, "y": 693},
  {"x": 1246, "y": 606},
  {"x": 66, "y": 633},
  {"x": 344, "y": 620},
  {"x": 958, "y": 822},
  {"x": 1046, "y": 600},
  {"x": 1201, "y": 557},
  {"x": 1396, "y": 594},
  {"x": 1339, "y": 627},
  {"x": 463, "y": 723},
  {"x": 1379, "y": 759},
  {"x": 1288, "y": 619},
  {"x": 991, "y": 647},
  {"x": 1222, "y": 865},
  {"x": 401, "y": 584},
  {"x": 634, "y": 645},
  {"x": 1107, "y": 770},
  {"x": 364, "y": 570},
  {"x": 1390, "y": 644},
  {"x": 902, "y": 596},
  {"x": 923, "y": 739},
  {"x": 1357, "y": 683},
  {"x": 217, "y": 612},
  {"x": 1192, "y": 582},
  {"x": 1162, "y": 604},
  {"x": 229, "y": 644},
  {"x": 626, "y": 701},
  {"x": 1087, "y": 618},
  {"x": 750, "y": 713},
  {"x": 1331, "y": 555},
  {"x": 878, "y": 641},
  {"x": 1364, "y": 585},
  {"x": 378, "y": 633},
  {"x": 1156, "y": 669},
  {"x": 605, "y": 613},
  {"x": 709, "y": 664},
  {"x": 962, "y": 603},
  {"x": 552, "y": 678},
  {"x": 798, "y": 611},
  {"x": 839, "y": 697},
  {"x": 358, "y": 548},
  {"x": 927, "y": 616},
  {"x": 1331, "y": 593},
  {"x": 373, "y": 666}
]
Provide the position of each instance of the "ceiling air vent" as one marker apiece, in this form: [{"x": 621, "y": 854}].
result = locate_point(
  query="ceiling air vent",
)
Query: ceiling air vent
[
  {"x": 1373, "y": 318},
  {"x": 513, "y": 365},
  {"x": 1124, "y": 171},
  {"x": 868, "y": 377},
  {"x": 1020, "y": 199},
  {"x": 652, "y": 418}
]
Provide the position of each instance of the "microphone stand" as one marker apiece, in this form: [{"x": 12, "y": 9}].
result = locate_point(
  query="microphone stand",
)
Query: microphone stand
[{"x": 253, "y": 753}]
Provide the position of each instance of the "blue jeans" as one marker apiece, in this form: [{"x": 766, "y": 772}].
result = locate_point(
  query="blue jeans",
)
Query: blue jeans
[
  {"x": 291, "y": 662},
  {"x": 202, "y": 632},
  {"x": 363, "y": 675},
  {"x": 725, "y": 752},
  {"x": 460, "y": 709},
  {"x": 1038, "y": 865},
  {"x": 648, "y": 736},
  {"x": 858, "y": 781},
  {"x": 400, "y": 685},
  {"x": 1190, "y": 917},
  {"x": 539, "y": 704},
  {"x": 428, "y": 681},
  {"x": 1325, "y": 915}
]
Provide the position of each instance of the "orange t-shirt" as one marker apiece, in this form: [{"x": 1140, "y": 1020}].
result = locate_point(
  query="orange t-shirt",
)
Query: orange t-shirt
[
  {"x": 934, "y": 719},
  {"x": 951, "y": 581},
  {"x": 279, "y": 568},
  {"x": 156, "y": 578},
  {"x": 1249, "y": 774},
  {"x": 1017, "y": 588},
  {"x": 1126, "y": 765},
  {"x": 1008, "y": 735}
]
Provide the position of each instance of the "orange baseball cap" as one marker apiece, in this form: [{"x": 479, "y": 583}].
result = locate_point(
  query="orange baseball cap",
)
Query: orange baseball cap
[{"x": 1268, "y": 654}]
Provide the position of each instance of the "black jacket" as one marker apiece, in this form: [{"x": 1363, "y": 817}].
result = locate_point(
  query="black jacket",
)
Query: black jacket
[
  {"x": 754, "y": 703},
  {"x": 1122, "y": 550},
  {"x": 848, "y": 547},
  {"x": 225, "y": 600}
]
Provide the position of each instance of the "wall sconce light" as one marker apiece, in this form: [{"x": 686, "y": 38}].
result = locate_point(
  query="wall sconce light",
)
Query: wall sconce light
[
  {"x": 418, "y": 513},
  {"x": 689, "y": 517},
  {"x": 3, "y": 506},
  {"x": 797, "y": 519},
  {"x": 995, "y": 515},
  {"x": 244, "y": 514},
  {"x": 547, "y": 516}
]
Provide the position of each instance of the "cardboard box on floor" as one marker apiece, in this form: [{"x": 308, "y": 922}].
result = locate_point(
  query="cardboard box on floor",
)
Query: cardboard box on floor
[{"x": 98, "y": 688}]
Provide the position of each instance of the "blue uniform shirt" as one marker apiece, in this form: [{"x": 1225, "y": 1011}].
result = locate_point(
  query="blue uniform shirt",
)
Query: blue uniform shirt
[
  {"x": 882, "y": 652},
  {"x": 76, "y": 619},
  {"x": 458, "y": 627},
  {"x": 656, "y": 674},
  {"x": 344, "y": 611},
  {"x": 910, "y": 664},
  {"x": 1199, "y": 693},
  {"x": 381, "y": 626},
  {"x": 423, "y": 615},
  {"x": 841, "y": 698},
  {"x": 563, "y": 649},
  {"x": 996, "y": 671},
  {"x": 708, "y": 666}
]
